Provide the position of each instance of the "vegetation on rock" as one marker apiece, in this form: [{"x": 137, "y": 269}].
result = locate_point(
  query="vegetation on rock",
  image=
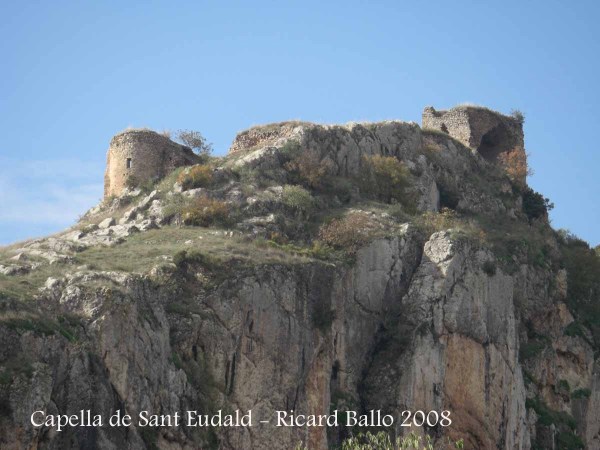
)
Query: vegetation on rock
[
  {"x": 196, "y": 141},
  {"x": 204, "y": 212},
  {"x": 197, "y": 176},
  {"x": 385, "y": 178}
]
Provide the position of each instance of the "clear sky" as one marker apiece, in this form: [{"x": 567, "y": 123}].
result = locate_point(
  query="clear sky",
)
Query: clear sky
[{"x": 75, "y": 73}]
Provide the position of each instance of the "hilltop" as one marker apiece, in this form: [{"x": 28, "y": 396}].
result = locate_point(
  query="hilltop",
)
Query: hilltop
[{"x": 314, "y": 267}]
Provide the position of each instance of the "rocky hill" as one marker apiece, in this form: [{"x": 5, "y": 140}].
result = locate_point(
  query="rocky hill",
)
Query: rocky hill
[{"x": 357, "y": 267}]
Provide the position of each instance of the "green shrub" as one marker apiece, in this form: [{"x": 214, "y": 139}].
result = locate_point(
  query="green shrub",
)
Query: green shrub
[
  {"x": 576, "y": 329},
  {"x": 195, "y": 141},
  {"x": 307, "y": 168},
  {"x": 535, "y": 205},
  {"x": 196, "y": 177},
  {"x": 583, "y": 286},
  {"x": 385, "y": 178},
  {"x": 430, "y": 222},
  {"x": 340, "y": 187},
  {"x": 547, "y": 416},
  {"x": 176, "y": 360},
  {"x": 399, "y": 213},
  {"x": 183, "y": 258},
  {"x": 205, "y": 212},
  {"x": 581, "y": 393},
  {"x": 563, "y": 385},
  {"x": 179, "y": 258},
  {"x": 321, "y": 250},
  {"x": 489, "y": 268},
  {"x": 297, "y": 198},
  {"x": 518, "y": 115},
  {"x": 175, "y": 206},
  {"x": 532, "y": 348},
  {"x": 569, "y": 441},
  {"x": 291, "y": 149}
]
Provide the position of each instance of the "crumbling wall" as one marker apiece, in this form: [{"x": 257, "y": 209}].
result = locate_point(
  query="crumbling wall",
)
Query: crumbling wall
[
  {"x": 493, "y": 135},
  {"x": 265, "y": 135},
  {"x": 140, "y": 155},
  {"x": 454, "y": 122}
]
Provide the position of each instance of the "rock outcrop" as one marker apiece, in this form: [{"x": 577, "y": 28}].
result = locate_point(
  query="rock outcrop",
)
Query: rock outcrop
[{"x": 130, "y": 312}]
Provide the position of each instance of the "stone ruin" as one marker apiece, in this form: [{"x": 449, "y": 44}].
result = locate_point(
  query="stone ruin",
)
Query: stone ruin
[
  {"x": 492, "y": 134},
  {"x": 136, "y": 156}
]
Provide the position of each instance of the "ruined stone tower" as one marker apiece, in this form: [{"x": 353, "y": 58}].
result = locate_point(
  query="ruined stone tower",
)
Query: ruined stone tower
[
  {"x": 136, "y": 156},
  {"x": 492, "y": 134}
]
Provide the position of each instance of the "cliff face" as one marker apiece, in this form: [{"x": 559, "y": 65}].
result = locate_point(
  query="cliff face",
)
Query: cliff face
[{"x": 415, "y": 317}]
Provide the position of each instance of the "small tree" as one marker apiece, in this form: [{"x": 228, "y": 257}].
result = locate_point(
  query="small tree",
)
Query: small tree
[
  {"x": 309, "y": 168},
  {"x": 195, "y": 141},
  {"x": 535, "y": 205},
  {"x": 298, "y": 199},
  {"x": 518, "y": 115}
]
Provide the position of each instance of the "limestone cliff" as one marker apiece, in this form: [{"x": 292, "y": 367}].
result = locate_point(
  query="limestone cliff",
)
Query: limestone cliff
[{"x": 263, "y": 287}]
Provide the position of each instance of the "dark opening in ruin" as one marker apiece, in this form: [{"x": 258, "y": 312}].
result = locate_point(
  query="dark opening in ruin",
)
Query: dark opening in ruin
[
  {"x": 129, "y": 163},
  {"x": 494, "y": 142},
  {"x": 445, "y": 128}
]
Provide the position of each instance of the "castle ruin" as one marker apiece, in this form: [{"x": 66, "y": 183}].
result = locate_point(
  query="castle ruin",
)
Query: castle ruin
[
  {"x": 136, "y": 156},
  {"x": 491, "y": 134}
]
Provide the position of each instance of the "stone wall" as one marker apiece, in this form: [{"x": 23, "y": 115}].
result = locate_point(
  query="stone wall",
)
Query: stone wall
[
  {"x": 454, "y": 122},
  {"x": 493, "y": 135},
  {"x": 265, "y": 136},
  {"x": 142, "y": 155}
]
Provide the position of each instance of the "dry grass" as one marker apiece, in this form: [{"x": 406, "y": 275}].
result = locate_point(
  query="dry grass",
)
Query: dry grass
[
  {"x": 349, "y": 232},
  {"x": 143, "y": 251},
  {"x": 204, "y": 212}
]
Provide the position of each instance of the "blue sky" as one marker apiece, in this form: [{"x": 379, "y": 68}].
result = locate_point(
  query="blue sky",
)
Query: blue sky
[{"x": 75, "y": 73}]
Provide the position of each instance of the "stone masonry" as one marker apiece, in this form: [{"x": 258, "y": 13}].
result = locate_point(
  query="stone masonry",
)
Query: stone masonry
[
  {"x": 490, "y": 133},
  {"x": 136, "y": 156}
]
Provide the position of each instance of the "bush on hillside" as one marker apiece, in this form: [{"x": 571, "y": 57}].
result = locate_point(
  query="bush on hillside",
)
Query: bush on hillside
[
  {"x": 535, "y": 205},
  {"x": 430, "y": 221},
  {"x": 195, "y": 141},
  {"x": 583, "y": 282},
  {"x": 385, "y": 178},
  {"x": 196, "y": 177},
  {"x": 308, "y": 168},
  {"x": 205, "y": 212},
  {"x": 348, "y": 233},
  {"x": 518, "y": 115},
  {"x": 297, "y": 198}
]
